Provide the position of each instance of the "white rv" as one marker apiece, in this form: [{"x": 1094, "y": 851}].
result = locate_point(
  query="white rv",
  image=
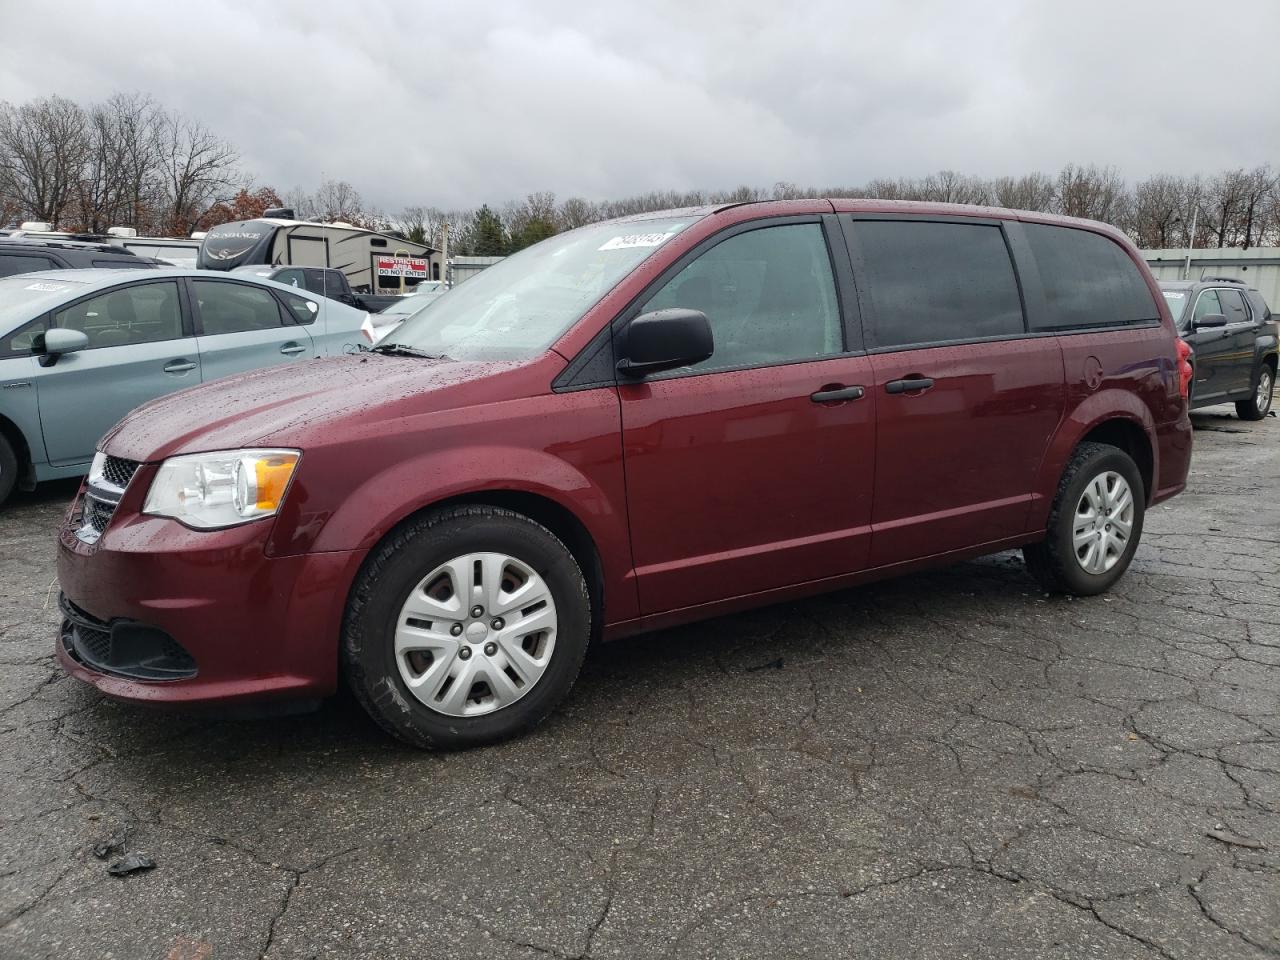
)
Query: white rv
[{"x": 373, "y": 262}]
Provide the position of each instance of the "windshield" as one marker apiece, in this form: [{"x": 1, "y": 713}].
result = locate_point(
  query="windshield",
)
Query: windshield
[
  {"x": 518, "y": 307},
  {"x": 1177, "y": 301},
  {"x": 25, "y": 297}
]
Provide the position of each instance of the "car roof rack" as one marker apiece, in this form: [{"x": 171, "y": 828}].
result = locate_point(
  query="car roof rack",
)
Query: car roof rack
[{"x": 1223, "y": 280}]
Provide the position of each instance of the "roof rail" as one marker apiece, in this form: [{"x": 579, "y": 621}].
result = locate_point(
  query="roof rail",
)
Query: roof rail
[{"x": 1204, "y": 279}]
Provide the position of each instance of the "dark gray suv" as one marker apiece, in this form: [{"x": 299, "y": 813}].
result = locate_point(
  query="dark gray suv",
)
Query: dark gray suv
[
  {"x": 38, "y": 255},
  {"x": 1233, "y": 338}
]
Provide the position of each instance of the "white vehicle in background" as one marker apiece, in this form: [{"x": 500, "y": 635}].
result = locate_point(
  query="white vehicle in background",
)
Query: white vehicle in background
[
  {"x": 181, "y": 252},
  {"x": 378, "y": 325}
]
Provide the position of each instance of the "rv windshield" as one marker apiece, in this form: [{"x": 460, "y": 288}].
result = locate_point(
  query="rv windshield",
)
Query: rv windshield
[{"x": 518, "y": 307}]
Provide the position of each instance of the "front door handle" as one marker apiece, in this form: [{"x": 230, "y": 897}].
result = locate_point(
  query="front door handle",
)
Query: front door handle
[
  {"x": 179, "y": 366},
  {"x": 292, "y": 348},
  {"x": 836, "y": 393},
  {"x": 908, "y": 385}
]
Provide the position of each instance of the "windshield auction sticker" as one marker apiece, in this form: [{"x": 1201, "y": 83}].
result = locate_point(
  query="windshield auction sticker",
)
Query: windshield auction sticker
[{"x": 630, "y": 240}]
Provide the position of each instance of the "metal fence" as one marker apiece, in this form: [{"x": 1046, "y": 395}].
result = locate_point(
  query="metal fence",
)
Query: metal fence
[{"x": 1258, "y": 266}]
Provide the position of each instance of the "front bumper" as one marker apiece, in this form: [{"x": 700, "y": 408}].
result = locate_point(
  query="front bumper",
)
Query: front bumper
[{"x": 255, "y": 627}]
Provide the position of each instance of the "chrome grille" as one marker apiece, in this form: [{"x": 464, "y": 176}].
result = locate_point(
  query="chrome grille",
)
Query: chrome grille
[
  {"x": 108, "y": 478},
  {"x": 118, "y": 472}
]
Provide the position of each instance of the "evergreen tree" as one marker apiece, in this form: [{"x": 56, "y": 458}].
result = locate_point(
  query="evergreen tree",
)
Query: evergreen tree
[{"x": 489, "y": 238}]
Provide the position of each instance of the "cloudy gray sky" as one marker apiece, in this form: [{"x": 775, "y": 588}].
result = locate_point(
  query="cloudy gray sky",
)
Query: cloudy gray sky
[{"x": 458, "y": 103}]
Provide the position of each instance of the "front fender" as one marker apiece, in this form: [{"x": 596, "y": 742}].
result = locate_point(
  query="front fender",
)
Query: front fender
[{"x": 565, "y": 448}]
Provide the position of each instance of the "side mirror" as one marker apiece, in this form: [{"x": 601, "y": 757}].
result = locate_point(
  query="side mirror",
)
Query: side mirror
[
  {"x": 1210, "y": 320},
  {"x": 664, "y": 340},
  {"x": 52, "y": 344}
]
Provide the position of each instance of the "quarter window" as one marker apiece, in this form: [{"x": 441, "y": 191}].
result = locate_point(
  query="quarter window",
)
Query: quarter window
[
  {"x": 235, "y": 307},
  {"x": 936, "y": 282},
  {"x": 1088, "y": 279},
  {"x": 769, "y": 295},
  {"x": 142, "y": 313},
  {"x": 301, "y": 309}
]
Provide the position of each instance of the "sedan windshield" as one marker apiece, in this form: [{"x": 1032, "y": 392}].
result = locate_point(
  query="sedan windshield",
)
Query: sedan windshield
[
  {"x": 518, "y": 307},
  {"x": 25, "y": 297}
]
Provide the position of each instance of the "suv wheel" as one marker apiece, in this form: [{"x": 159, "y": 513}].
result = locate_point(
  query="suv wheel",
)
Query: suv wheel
[
  {"x": 466, "y": 626},
  {"x": 1094, "y": 525},
  {"x": 1256, "y": 407},
  {"x": 8, "y": 469}
]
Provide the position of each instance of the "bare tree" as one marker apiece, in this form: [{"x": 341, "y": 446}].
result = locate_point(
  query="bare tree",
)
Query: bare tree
[
  {"x": 577, "y": 212},
  {"x": 195, "y": 168},
  {"x": 1032, "y": 191},
  {"x": 42, "y": 149},
  {"x": 1092, "y": 192}
]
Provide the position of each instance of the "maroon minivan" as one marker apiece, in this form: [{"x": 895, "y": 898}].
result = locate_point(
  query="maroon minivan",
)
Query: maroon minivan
[{"x": 627, "y": 426}]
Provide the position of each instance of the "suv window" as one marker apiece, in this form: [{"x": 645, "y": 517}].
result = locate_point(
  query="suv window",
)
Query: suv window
[
  {"x": 1233, "y": 306},
  {"x": 300, "y": 308},
  {"x": 235, "y": 307},
  {"x": 15, "y": 263},
  {"x": 120, "y": 263},
  {"x": 141, "y": 313},
  {"x": 769, "y": 295},
  {"x": 936, "y": 282},
  {"x": 1206, "y": 304},
  {"x": 1089, "y": 280}
]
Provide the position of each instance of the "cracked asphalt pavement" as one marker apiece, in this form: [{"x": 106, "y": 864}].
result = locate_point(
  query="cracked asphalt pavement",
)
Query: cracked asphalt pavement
[{"x": 946, "y": 765}]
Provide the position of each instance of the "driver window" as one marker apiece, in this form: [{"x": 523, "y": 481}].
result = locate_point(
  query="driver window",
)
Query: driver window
[
  {"x": 1207, "y": 304},
  {"x": 768, "y": 294},
  {"x": 143, "y": 313}
]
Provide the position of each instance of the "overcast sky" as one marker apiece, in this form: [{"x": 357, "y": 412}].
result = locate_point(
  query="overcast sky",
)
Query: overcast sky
[{"x": 453, "y": 104}]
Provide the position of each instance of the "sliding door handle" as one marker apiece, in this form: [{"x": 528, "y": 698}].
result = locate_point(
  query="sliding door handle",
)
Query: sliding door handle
[
  {"x": 908, "y": 385},
  {"x": 836, "y": 393}
]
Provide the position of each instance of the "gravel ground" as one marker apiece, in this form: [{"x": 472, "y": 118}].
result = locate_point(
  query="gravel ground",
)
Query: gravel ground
[{"x": 946, "y": 765}]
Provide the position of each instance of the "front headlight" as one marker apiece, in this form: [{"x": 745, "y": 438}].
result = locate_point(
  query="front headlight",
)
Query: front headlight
[{"x": 213, "y": 490}]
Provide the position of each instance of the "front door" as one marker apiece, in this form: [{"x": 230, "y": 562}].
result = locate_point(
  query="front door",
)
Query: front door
[
  {"x": 243, "y": 327},
  {"x": 1212, "y": 347},
  {"x": 751, "y": 470},
  {"x": 138, "y": 350},
  {"x": 961, "y": 426}
]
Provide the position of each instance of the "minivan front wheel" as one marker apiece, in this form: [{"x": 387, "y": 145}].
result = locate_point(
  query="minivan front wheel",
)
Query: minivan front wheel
[
  {"x": 1094, "y": 524},
  {"x": 466, "y": 626},
  {"x": 1256, "y": 407}
]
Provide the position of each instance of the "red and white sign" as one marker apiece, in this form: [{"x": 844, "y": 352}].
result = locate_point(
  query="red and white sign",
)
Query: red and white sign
[{"x": 403, "y": 267}]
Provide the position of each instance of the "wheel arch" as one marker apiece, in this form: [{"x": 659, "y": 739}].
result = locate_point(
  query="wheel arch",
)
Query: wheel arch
[
  {"x": 22, "y": 450},
  {"x": 1128, "y": 436}
]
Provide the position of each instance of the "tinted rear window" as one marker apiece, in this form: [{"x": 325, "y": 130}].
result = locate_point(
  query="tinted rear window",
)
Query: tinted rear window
[
  {"x": 936, "y": 282},
  {"x": 1088, "y": 279},
  {"x": 14, "y": 264}
]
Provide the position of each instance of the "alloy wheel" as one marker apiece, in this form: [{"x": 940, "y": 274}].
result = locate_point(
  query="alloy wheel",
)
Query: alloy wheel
[
  {"x": 476, "y": 634},
  {"x": 1263, "y": 399},
  {"x": 1103, "y": 522}
]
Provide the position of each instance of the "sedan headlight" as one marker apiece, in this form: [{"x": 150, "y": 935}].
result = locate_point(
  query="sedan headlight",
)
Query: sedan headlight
[{"x": 223, "y": 489}]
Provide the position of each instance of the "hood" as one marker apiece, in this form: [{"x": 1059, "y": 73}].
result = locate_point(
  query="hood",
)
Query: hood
[{"x": 286, "y": 405}]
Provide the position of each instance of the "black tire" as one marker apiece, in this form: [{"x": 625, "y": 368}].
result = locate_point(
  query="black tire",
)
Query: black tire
[
  {"x": 397, "y": 565},
  {"x": 1250, "y": 409},
  {"x": 1053, "y": 561},
  {"x": 8, "y": 469}
]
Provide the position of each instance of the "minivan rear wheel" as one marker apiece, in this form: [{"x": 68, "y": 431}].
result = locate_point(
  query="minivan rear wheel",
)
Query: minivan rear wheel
[
  {"x": 466, "y": 626},
  {"x": 1094, "y": 524},
  {"x": 1256, "y": 407}
]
